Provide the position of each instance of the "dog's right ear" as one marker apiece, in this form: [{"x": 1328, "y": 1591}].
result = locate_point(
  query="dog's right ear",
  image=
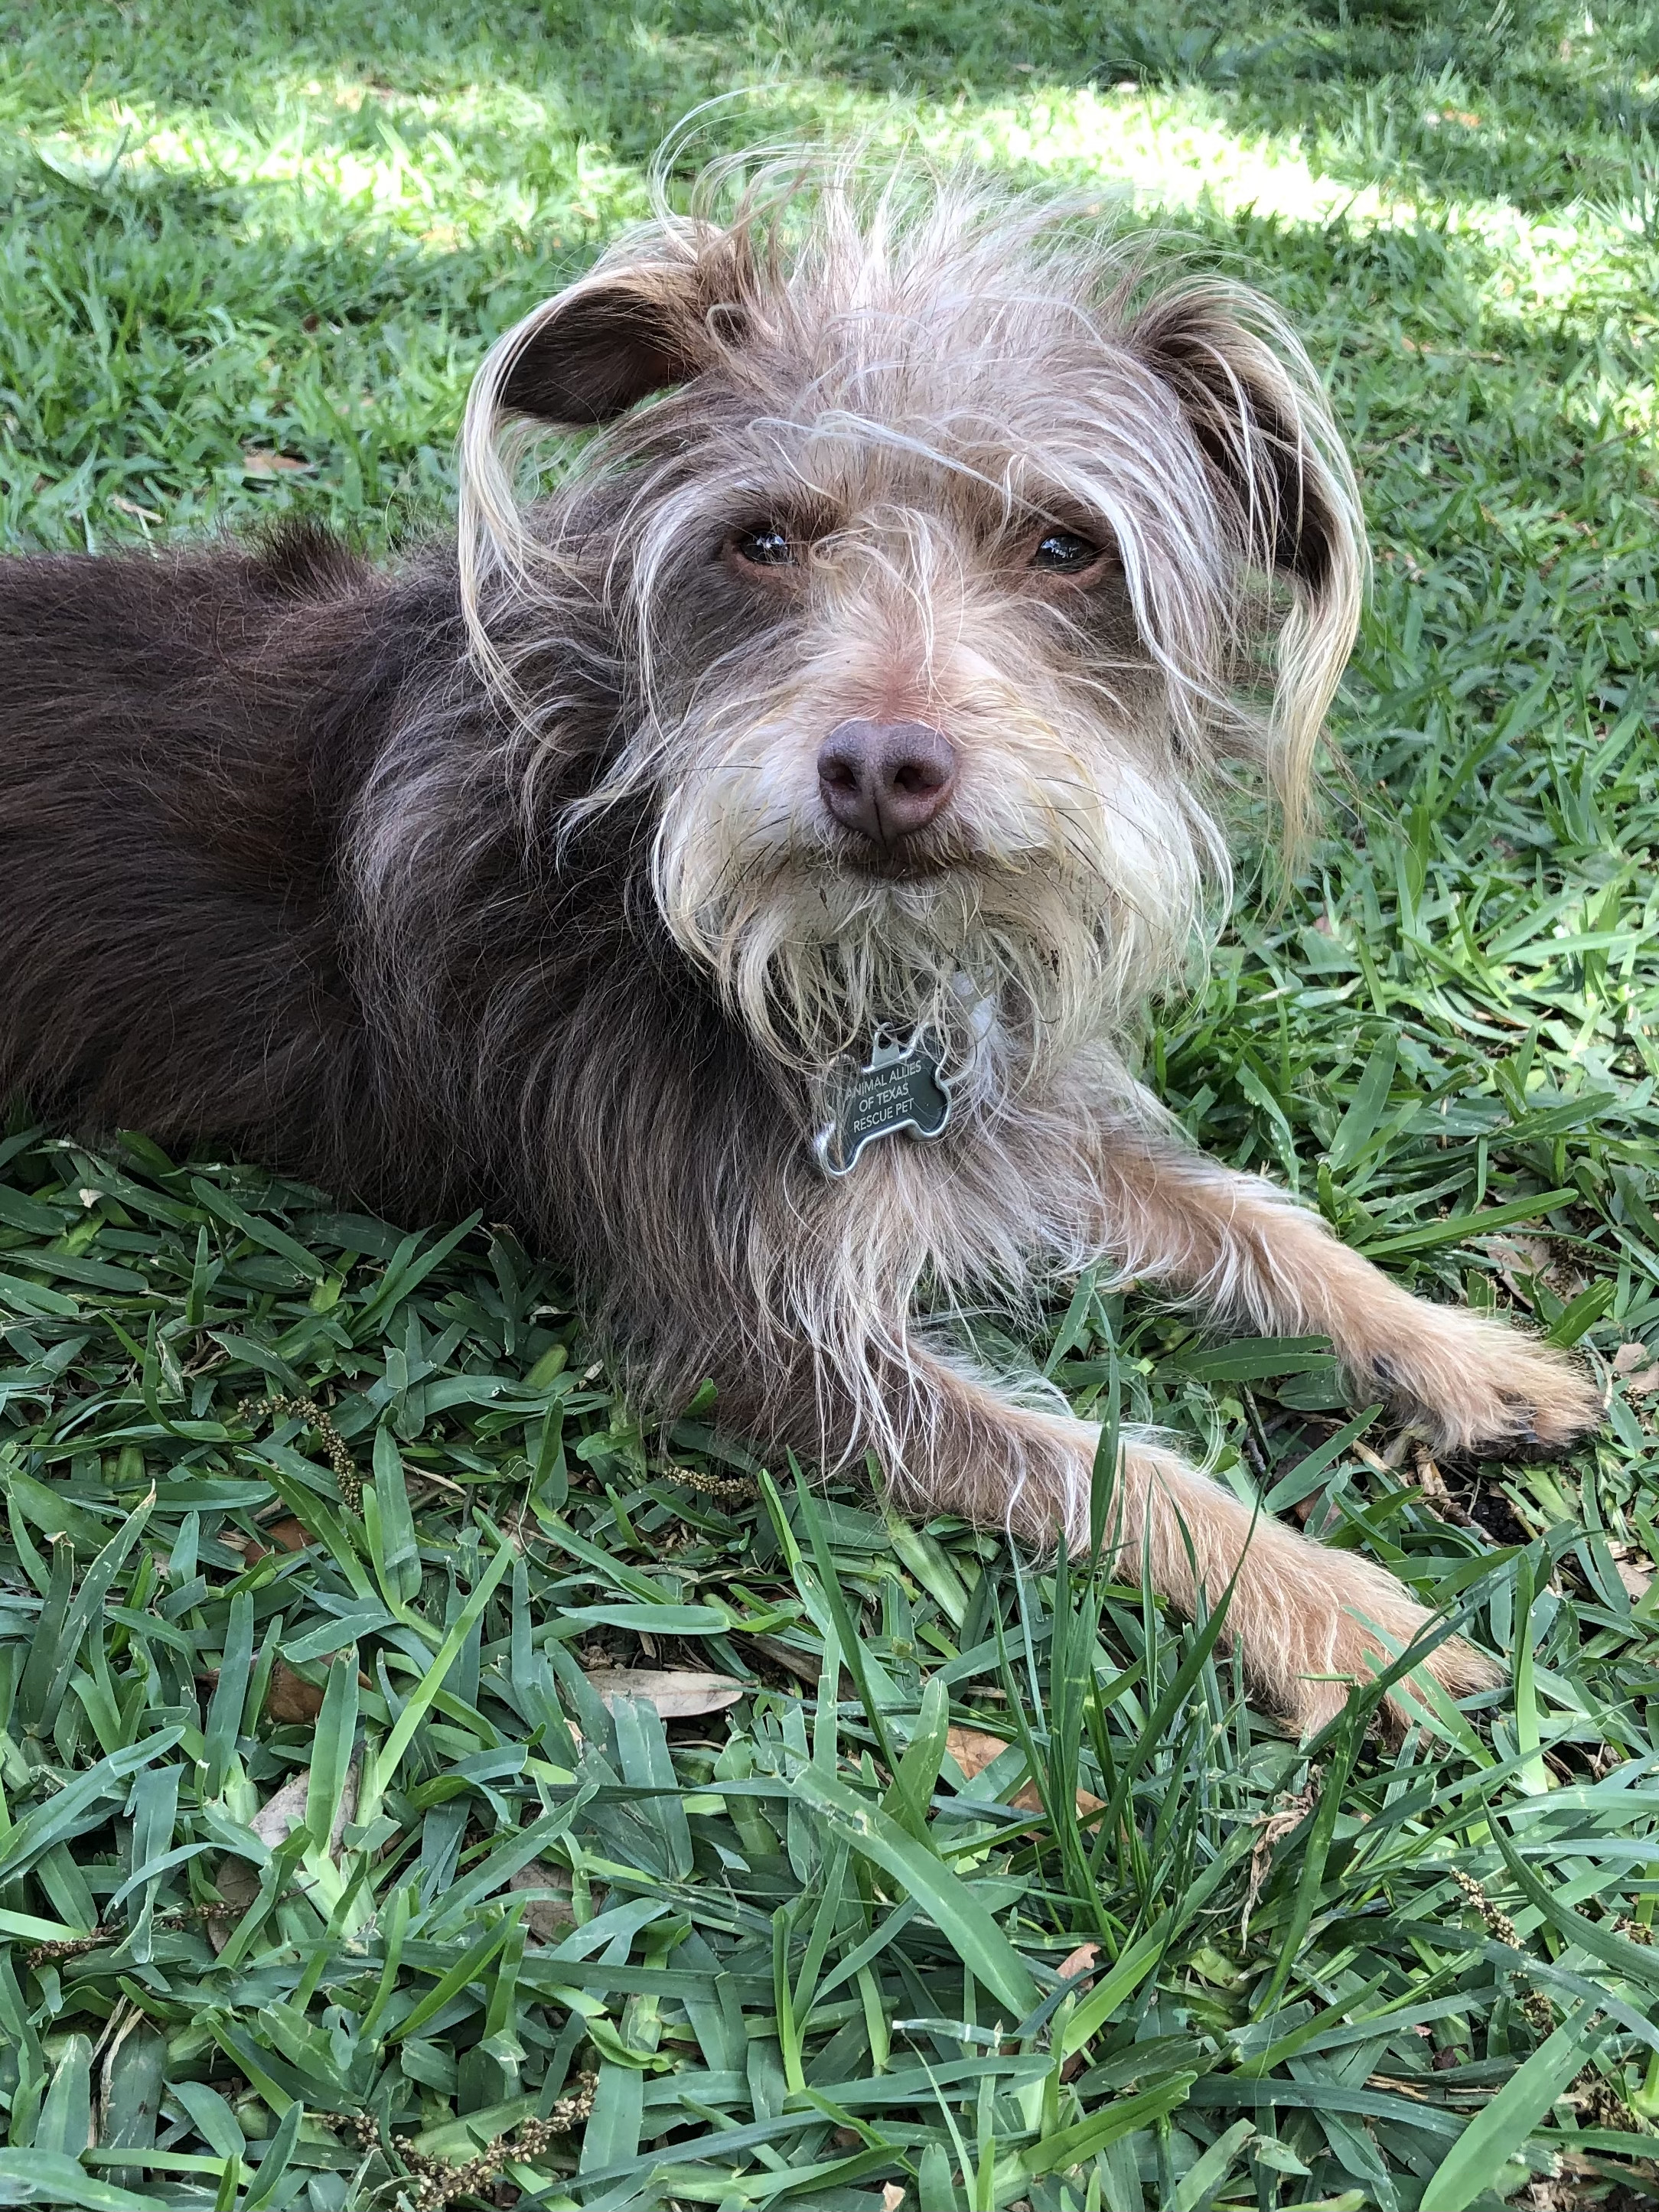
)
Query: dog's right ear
[
  {"x": 656, "y": 310},
  {"x": 634, "y": 326}
]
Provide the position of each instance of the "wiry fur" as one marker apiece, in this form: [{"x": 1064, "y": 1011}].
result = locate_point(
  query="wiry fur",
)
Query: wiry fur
[{"x": 506, "y": 877}]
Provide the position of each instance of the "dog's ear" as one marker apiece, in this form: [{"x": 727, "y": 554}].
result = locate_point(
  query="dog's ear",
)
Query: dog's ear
[
  {"x": 1286, "y": 495},
  {"x": 636, "y": 325},
  {"x": 658, "y": 308},
  {"x": 1256, "y": 408}
]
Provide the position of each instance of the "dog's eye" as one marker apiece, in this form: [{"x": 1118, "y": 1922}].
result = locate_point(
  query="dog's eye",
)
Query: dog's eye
[
  {"x": 1063, "y": 553},
  {"x": 764, "y": 549}
]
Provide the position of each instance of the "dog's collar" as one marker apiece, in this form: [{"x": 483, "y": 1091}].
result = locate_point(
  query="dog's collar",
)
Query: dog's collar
[{"x": 901, "y": 1089}]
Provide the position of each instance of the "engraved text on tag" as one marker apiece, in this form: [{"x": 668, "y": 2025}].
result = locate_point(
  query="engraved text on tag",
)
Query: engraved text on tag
[{"x": 902, "y": 1087}]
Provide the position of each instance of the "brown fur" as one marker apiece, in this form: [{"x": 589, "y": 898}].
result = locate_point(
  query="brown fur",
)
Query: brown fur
[{"x": 508, "y": 878}]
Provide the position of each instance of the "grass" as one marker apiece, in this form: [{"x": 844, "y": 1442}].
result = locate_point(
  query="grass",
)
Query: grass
[{"x": 808, "y": 1948}]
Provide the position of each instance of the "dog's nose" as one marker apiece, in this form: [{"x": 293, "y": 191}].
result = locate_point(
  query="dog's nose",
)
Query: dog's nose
[{"x": 886, "y": 780}]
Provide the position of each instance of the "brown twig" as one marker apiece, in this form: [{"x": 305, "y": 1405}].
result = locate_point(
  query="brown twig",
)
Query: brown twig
[{"x": 1275, "y": 1827}]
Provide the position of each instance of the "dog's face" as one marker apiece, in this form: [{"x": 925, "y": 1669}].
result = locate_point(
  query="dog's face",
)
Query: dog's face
[{"x": 943, "y": 564}]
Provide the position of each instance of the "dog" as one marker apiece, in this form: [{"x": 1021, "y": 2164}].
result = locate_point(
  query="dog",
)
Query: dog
[{"x": 747, "y": 864}]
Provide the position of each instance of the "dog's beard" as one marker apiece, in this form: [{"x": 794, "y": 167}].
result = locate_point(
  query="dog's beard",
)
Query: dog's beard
[
  {"x": 1041, "y": 949},
  {"x": 814, "y": 963}
]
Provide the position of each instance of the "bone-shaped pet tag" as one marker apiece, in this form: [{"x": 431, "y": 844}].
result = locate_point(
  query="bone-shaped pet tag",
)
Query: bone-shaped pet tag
[{"x": 902, "y": 1087}]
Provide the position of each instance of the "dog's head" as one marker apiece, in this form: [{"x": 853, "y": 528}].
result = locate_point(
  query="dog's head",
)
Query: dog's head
[{"x": 952, "y": 553}]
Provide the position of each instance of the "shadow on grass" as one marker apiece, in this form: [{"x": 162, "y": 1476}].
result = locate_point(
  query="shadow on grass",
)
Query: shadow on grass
[{"x": 1455, "y": 103}]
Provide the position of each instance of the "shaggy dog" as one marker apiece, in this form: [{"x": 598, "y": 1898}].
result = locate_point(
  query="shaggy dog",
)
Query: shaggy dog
[{"x": 745, "y": 866}]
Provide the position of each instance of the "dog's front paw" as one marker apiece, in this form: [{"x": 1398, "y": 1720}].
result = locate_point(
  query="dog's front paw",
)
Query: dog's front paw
[
  {"x": 1310, "y": 1621},
  {"x": 1349, "y": 1626},
  {"x": 1473, "y": 1389}
]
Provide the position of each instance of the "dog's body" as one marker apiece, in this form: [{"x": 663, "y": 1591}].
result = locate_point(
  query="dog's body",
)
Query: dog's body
[{"x": 880, "y": 675}]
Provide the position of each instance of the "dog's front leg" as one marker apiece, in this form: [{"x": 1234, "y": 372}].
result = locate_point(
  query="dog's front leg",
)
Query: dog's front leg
[
  {"x": 1303, "y": 1616},
  {"x": 834, "y": 1363},
  {"x": 1238, "y": 1248}
]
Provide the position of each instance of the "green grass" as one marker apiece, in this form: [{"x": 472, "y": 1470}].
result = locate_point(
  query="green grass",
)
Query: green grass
[{"x": 808, "y": 1958}]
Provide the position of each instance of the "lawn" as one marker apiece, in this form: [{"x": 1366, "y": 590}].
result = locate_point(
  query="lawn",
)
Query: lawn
[{"x": 969, "y": 1884}]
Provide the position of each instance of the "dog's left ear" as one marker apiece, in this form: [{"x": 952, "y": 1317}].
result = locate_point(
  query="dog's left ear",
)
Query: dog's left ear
[
  {"x": 1286, "y": 494},
  {"x": 1262, "y": 422}
]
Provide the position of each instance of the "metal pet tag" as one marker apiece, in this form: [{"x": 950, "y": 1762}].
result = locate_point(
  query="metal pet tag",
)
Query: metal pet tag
[{"x": 902, "y": 1087}]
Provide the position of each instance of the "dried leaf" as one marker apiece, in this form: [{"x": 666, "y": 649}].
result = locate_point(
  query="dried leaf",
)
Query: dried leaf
[
  {"x": 287, "y": 1809},
  {"x": 260, "y": 462},
  {"x": 283, "y": 1810},
  {"x": 1523, "y": 1258},
  {"x": 237, "y": 1881},
  {"x": 1634, "y": 1568},
  {"x": 291, "y": 1697},
  {"x": 1079, "y": 1961},
  {"x": 892, "y": 2196},
  {"x": 676, "y": 1693},
  {"x": 1638, "y": 1368},
  {"x": 973, "y": 1752},
  {"x": 783, "y": 1654},
  {"x": 547, "y": 1917},
  {"x": 1030, "y": 1799}
]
